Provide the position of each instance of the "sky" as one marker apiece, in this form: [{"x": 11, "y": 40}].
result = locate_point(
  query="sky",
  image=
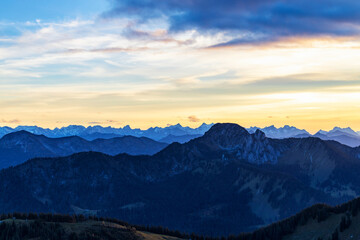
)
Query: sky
[{"x": 157, "y": 62}]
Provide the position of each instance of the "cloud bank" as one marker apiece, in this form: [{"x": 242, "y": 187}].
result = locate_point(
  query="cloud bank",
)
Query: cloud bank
[
  {"x": 152, "y": 63},
  {"x": 249, "y": 20}
]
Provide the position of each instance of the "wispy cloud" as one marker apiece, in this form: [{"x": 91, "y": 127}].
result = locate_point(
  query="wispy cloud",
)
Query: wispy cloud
[
  {"x": 11, "y": 121},
  {"x": 193, "y": 119}
]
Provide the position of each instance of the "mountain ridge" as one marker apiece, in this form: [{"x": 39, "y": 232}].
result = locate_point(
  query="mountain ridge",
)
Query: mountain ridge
[
  {"x": 17, "y": 147},
  {"x": 346, "y": 136},
  {"x": 205, "y": 185},
  {"x": 93, "y": 132},
  {"x": 178, "y": 133}
]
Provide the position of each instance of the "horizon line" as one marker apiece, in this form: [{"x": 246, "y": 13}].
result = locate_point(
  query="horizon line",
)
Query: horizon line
[{"x": 184, "y": 126}]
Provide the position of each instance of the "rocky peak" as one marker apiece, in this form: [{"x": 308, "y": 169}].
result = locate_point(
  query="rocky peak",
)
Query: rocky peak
[
  {"x": 259, "y": 135},
  {"x": 229, "y": 130},
  {"x": 226, "y": 135}
]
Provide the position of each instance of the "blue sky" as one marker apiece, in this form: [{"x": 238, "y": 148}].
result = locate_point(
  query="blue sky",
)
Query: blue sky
[
  {"x": 50, "y": 10},
  {"x": 147, "y": 62}
]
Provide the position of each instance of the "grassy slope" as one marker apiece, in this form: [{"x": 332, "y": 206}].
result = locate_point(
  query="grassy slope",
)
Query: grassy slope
[
  {"x": 313, "y": 230},
  {"x": 115, "y": 230}
]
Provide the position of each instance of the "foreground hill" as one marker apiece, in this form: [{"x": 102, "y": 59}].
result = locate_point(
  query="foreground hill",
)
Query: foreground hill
[
  {"x": 206, "y": 185},
  {"x": 317, "y": 222},
  {"x": 65, "y": 227},
  {"x": 17, "y": 147}
]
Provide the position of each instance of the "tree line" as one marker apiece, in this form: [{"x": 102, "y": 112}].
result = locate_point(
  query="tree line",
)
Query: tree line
[{"x": 275, "y": 231}]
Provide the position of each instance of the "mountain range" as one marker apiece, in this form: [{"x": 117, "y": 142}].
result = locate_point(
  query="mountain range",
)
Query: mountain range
[
  {"x": 346, "y": 136},
  {"x": 282, "y": 132},
  {"x": 178, "y": 133},
  {"x": 17, "y": 147},
  {"x": 94, "y": 132},
  {"x": 206, "y": 185}
]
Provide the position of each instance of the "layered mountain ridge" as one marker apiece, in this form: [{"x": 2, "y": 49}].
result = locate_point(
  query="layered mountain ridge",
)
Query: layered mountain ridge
[
  {"x": 206, "y": 185},
  {"x": 178, "y": 133},
  {"x": 17, "y": 147},
  {"x": 94, "y": 132},
  {"x": 346, "y": 136}
]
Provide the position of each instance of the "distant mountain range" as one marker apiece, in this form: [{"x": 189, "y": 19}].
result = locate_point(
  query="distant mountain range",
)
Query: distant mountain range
[
  {"x": 346, "y": 136},
  {"x": 17, "y": 147},
  {"x": 93, "y": 132},
  {"x": 280, "y": 133},
  {"x": 206, "y": 185},
  {"x": 178, "y": 133}
]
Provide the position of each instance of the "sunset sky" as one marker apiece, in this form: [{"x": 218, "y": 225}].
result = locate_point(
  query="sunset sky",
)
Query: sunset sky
[{"x": 152, "y": 63}]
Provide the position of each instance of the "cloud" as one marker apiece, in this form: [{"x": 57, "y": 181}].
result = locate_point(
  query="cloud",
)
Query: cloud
[
  {"x": 112, "y": 121},
  {"x": 12, "y": 121},
  {"x": 193, "y": 119},
  {"x": 249, "y": 20},
  {"x": 104, "y": 50},
  {"x": 103, "y": 122},
  {"x": 110, "y": 69},
  {"x": 94, "y": 122}
]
